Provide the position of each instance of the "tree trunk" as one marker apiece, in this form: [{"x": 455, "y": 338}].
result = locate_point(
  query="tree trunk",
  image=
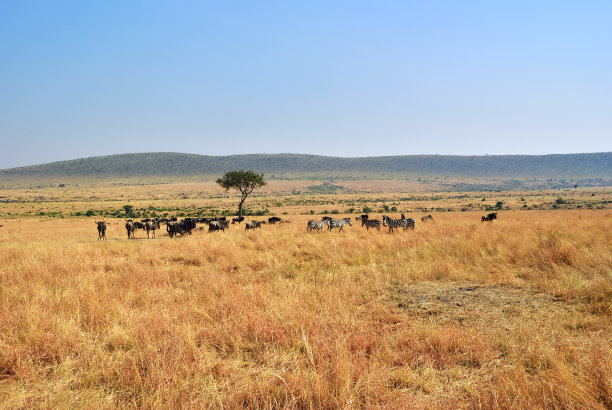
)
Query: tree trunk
[{"x": 240, "y": 206}]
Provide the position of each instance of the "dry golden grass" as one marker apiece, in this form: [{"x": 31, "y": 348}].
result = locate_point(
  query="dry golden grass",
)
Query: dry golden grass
[
  {"x": 284, "y": 197},
  {"x": 512, "y": 314}
]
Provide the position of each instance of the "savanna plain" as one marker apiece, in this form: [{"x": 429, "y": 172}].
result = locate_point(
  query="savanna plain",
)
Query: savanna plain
[{"x": 457, "y": 313}]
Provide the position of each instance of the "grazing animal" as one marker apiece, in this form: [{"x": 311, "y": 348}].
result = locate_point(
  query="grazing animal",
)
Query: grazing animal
[
  {"x": 172, "y": 228},
  {"x": 273, "y": 219},
  {"x": 339, "y": 223},
  {"x": 181, "y": 227},
  {"x": 254, "y": 224},
  {"x": 238, "y": 219},
  {"x": 101, "y": 230},
  {"x": 129, "y": 227},
  {"x": 218, "y": 225},
  {"x": 405, "y": 223},
  {"x": 151, "y": 225},
  {"x": 318, "y": 225},
  {"x": 188, "y": 225},
  {"x": 489, "y": 217},
  {"x": 139, "y": 225},
  {"x": 426, "y": 218},
  {"x": 370, "y": 223}
]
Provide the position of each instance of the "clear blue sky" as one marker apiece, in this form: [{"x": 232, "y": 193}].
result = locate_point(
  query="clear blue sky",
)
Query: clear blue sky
[{"x": 341, "y": 78}]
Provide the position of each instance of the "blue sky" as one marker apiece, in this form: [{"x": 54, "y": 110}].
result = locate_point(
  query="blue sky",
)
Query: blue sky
[{"x": 342, "y": 78}]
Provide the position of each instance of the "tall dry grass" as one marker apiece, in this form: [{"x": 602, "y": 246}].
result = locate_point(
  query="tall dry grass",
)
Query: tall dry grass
[{"x": 281, "y": 318}]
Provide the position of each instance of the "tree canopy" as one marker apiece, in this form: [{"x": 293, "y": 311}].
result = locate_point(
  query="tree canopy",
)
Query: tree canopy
[{"x": 243, "y": 181}]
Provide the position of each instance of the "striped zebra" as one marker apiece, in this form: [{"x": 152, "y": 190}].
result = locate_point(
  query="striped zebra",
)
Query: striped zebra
[
  {"x": 410, "y": 223},
  {"x": 396, "y": 223},
  {"x": 370, "y": 223},
  {"x": 339, "y": 223},
  {"x": 318, "y": 225}
]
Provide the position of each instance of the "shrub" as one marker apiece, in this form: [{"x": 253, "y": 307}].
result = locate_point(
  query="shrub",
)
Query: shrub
[{"x": 129, "y": 211}]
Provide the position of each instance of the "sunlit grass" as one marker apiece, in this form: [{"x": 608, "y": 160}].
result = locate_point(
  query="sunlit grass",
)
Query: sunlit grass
[{"x": 459, "y": 313}]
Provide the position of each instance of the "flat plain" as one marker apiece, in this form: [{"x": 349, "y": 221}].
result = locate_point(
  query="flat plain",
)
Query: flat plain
[{"x": 516, "y": 313}]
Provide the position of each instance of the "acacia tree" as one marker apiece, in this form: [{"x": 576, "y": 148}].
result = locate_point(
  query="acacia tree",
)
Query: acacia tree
[{"x": 244, "y": 181}]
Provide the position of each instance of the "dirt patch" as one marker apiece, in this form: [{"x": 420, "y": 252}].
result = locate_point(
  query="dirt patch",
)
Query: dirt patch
[{"x": 498, "y": 306}]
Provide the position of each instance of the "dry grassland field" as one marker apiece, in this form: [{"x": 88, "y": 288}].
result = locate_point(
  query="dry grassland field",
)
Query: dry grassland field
[{"x": 456, "y": 313}]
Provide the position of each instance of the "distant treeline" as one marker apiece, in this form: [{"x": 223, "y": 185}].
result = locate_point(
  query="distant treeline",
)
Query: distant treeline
[{"x": 290, "y": 166}]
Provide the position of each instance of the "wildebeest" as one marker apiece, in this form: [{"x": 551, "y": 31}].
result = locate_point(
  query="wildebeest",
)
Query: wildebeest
[
  {"x": 273, "y": 219},
  {"x": 238, "y": 219},
  {"x": 151, "y": 225},
  {"x": 180, "y": 227},
  {"x": 489, "y": 217},
  {"x": 254, "y": 224},
  {"x": 426, "y": 218},
  {"x": 172, "y": 227},
  {"x": 139, "y": 225},
  {"x": 101, "y": 230},
  {"x": 218, "y": 225},
  {"x": 129, "y": 227}
]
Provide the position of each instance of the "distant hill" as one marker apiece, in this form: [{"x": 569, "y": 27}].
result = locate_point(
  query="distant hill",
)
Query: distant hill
[{"x": 165, "y": 164}]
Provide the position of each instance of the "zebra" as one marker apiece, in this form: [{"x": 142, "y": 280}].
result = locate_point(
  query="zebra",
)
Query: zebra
[
  {"x": 426, "y": 217},
  {"x": 396, "y": 223},
  {"x": 370, "y": 223},
  {"x": 318, "y": 225},
  {"x": 339, "y": 223}
]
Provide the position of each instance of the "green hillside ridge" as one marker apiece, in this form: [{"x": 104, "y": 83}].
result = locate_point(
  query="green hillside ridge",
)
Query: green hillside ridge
[{"x": 571, "y": 166}]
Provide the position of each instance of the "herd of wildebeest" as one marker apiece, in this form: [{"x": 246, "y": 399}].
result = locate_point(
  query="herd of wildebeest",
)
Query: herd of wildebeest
[{"x": 175, "y": 227}]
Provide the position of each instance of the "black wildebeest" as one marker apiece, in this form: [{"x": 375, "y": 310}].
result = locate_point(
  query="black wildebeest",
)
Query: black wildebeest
[
  {"x": 101, "y": 230},
  {"x": 129, "y": 227},
  {"x": 489, "y": 217},
  {"x": 238, "y": 219},
  {"x": 273, "y": 219}
]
